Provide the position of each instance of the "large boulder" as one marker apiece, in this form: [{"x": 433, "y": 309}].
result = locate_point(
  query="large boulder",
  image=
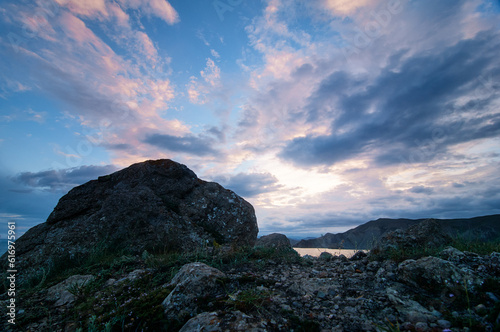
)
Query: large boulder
[
  {"x": 436, "y": 275},
  {"x": 274, "y": 240},
  {"x": 153, "y": 205},
  {"x": 426, "y": 234}
]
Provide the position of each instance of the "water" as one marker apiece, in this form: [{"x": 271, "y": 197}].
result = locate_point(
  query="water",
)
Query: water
[{"x": 315, "y": 252}]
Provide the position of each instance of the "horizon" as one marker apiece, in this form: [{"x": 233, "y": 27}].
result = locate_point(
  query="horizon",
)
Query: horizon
[{"x": 322, "y": 115}]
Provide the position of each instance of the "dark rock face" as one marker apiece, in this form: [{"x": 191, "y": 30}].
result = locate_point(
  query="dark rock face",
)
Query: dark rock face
[
  {"x": 274, "y": 240},
  {"x": 150, "y": 205}
]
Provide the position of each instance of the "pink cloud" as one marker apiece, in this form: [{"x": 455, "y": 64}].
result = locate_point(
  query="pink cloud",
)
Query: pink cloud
[
  {"x": 89, "y": 8},
  {"x": 159, "y": 8},
  {"x": 147, "y": 46},
  {"x": 347, "y": 7}
]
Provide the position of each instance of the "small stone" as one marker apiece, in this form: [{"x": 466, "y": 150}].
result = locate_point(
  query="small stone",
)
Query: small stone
[
  {"x": 321, "y": 295},
  {"x": 416, "y": 317},
  {"x": 492, "y": 296},
  {"x": 444, "y": 324},
  {"x": 407, "y": 326},
  {"x": 421, "y": 327},
  {"x": 480, "y": 309},
  {"x": 436, "y": 313}
]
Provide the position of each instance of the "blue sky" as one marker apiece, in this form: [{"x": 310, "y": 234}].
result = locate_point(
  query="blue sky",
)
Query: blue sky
[{"x": 323, "y": 114}]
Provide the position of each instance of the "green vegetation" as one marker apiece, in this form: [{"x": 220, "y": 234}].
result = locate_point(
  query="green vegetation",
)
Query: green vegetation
[
  {"x": 135, "y": 304},
  {"x": 399, "y": 254}
]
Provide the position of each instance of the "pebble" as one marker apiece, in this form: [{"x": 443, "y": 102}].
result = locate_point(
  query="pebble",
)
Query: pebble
[{"x": 444, "y": 324}]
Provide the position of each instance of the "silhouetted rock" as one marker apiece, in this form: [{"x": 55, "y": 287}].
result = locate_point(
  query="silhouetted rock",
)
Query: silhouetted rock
[
  {"x": 274, "y": 240},
  {"x": 153, "y": 205}
]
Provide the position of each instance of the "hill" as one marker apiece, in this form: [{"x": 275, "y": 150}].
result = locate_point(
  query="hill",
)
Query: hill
[{"x": 485, "y": 228}]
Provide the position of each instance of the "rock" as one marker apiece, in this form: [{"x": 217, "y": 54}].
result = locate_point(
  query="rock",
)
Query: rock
[
  {"x": 434, "y": 274},
  {"x": 61, "y": 294},
  {"x": 341, "y": 258},
  {"x": 426, "y": 234},
  {"x": 421, "y": 327},
  {"x": 325, "y": 256},
  {"x": 451, "y": 254},
  {"x": 413, "y": 311},
  {"x": 153, "y": 205},
  {"x": 194, "y": 285},
  {"x": 358, "y": 256},
  {"x": 224, "y": 322},
  {"x": 274, "y": 240},
  {"x": 444, "y": 324},
  {"x": 481, "y": 309},
  {"x": 132, "y": 275}
]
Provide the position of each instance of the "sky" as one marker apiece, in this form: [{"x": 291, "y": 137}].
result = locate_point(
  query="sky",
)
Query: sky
[{"x": 323, "y": 114}]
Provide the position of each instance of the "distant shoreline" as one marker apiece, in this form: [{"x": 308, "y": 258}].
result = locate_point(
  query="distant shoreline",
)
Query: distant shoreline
[{"x": 315, "y": 252}]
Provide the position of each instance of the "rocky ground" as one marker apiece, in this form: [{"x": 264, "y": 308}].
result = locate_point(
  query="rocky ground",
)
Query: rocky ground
[
  {"x": 456, "y": 290},
  {"x": 411, "y": 282}
]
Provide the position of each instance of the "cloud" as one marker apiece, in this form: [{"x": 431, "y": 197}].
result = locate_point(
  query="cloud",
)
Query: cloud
[
  {"x": 345, "y": 7},
  {"x": 214, "y": 53},
  {"x": 198, "y": 91},
  {"x": 410, "y": 110},
  {"x": 159, "y": 8},
  {"x": 104, "y": 9},
  {"x": 199, "y": 146},
  {"x": 421, "y": 190},
  {"x": 211, "y": 73},
  {"x": 62, "y": 180},
  {"x": 249, "y": 184}
]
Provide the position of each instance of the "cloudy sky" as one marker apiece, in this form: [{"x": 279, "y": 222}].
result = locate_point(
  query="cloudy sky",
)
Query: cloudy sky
[{"x": 323, "y": 114}]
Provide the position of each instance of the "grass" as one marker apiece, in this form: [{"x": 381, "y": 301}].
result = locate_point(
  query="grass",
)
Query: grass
[
  {"x": 401, "y": 254},
  {"x": 250, "y": 299},
  {"x": 136, "y": 305}
]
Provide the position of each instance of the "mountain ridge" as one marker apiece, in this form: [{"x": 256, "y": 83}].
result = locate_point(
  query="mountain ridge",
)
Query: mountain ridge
[{"x": 484, "y": 228}]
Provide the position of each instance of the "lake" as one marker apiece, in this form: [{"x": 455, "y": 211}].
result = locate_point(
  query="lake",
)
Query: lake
[{"x": 315, "y": 252}]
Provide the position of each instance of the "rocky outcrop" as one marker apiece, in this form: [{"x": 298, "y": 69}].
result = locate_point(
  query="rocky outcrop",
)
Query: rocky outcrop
[
  {"x": 194, "y": 285},
  {"x": 153, "y": 205},
  {"x": 427, "y": 234},
  {"x": 436, "y": 274},
  {"x": 274, "y": 240}
]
